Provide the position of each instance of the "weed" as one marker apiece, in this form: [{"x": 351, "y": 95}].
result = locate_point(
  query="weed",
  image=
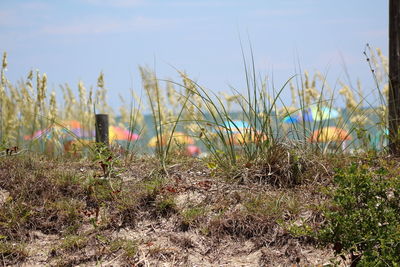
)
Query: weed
[
  {"x": 129, "y": 247},
  {"x": 106, "y": 159},
  {"x": 191, "y": 216},
  {"x": 73, "y": 243},
  {"x": 165, "y": 205},
  {"x": 60, "y": 215},
  {"x": 153, "y": 186},
  {"x": 70, "y": 184},
  {"x": 14, "y": 219},
  {"x": 127, "y": 207},
  {"x": 12, "y": 253}
]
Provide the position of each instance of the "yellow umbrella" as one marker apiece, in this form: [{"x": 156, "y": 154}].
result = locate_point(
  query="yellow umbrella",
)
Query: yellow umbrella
[
  {"x": 177, "y": 138},
  {"x": 153, "y": 142},
  {"x": 330, "y": 134}
]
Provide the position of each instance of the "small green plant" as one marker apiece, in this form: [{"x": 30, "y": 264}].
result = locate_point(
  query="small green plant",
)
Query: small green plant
[
  {"x": 64, "y": 213},
  {"x": 68, "y": 181},
  {"x": 191, "y": 215},
  {"x": 166, "y": 205},
  {"x": 275, "y": 207},
  {"x": 153, "y": 186},
  {"x": 74, "y": 242},
  {"x": 129, "y": 247},
  {"x": 12, "y": 253},
  {"x": 15, "y": 213},
  {"x": 108, "y": 163},
  {"x": 363, "y": 220},
  {"x": 104, "y": 157}
]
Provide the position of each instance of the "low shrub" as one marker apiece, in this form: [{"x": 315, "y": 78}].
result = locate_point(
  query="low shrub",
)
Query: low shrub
[{"x": 364, "y": 220}]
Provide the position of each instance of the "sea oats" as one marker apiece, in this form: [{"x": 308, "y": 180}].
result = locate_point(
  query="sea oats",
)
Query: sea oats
[
  {"x": 4, "y": 61},
  {"x": 359, "y": 120},
  {"x": 53, "y": 111},
  {"x": 348, "y": 95}
]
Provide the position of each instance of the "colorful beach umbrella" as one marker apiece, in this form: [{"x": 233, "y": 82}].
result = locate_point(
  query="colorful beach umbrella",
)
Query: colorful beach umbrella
[
  {"x": 177, "y": 138},
  {"x": 292, "y": 119},
  {"x": 193, "y": 151},
  {"x": 71, "y": 124},
  {"x": 235, "y": 126},
  {"x": 313, "y": 113},
  {"x": 120, "y": 134},
  {"x": 330, "y": 134},
  {"x": 65, "y": 129}
]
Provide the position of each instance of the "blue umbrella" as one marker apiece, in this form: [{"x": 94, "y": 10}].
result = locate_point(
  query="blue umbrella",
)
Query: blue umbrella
[
  {"x": 236, "y": 125},
  {"x": 313, "y": 113},
  {"x": 292, "y": 119}
]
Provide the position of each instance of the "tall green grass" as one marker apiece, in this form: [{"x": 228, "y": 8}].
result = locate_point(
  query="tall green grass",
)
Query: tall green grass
[{"x": 206, "y": 116}]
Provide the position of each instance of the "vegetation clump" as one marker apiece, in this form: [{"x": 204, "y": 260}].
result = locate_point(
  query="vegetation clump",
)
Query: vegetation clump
[
  {"x": 363, "y": 219},
  {"x": 12, "y": 253}
]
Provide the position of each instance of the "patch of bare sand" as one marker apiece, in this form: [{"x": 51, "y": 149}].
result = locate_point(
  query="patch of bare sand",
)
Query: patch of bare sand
[
  {"x": 39, "y": 249},
  {"x": 160, "y": 243},
  {"x": 161, "y": 246}
]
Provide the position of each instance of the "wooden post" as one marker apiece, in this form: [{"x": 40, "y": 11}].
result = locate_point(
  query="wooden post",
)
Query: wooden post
[
  {"x": 102, "y": 129},
  {"x": 394, "y": 76}
]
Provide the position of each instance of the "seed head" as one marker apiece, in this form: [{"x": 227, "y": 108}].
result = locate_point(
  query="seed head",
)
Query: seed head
[
  {"x": 100, "y": 80},
  {"x": 5, "y": 61}
]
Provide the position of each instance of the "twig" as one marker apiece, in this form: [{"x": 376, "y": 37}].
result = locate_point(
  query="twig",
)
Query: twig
[{"x": 114, "y": 259}]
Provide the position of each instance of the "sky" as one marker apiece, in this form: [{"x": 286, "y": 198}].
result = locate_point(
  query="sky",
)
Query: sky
[{"x": 74, "y": 40}]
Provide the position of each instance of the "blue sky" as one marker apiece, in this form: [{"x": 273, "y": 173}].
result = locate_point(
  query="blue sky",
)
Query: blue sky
[{"x": 74, "y": 40}]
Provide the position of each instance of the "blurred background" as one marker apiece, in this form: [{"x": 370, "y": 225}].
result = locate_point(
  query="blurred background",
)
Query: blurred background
[{"x": 75, "y": 40}]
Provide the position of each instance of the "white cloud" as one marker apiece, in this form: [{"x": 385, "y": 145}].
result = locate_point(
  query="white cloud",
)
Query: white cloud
[
  {"x": 24, "y": 14},
  {"x": 203, "y": 3},
  {"x": 280, "y": 12},
  {"x": 80, "y": 28},
  {"x": 109, "y": 25},
  {"x": 115, "y": 3},
  {"x": 35, "y": 5}
]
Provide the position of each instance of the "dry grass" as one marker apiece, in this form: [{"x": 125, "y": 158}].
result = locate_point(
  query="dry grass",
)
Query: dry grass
[{"x": 72, "y": 201}]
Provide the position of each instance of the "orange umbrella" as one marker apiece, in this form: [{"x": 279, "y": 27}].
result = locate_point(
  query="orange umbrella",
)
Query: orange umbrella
[
  {"x": 118, "y": 133},
  {"x": 73, "y": 124},
  {"x": 330, "y": 134},
  {"x": 193, "y": 150}
]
